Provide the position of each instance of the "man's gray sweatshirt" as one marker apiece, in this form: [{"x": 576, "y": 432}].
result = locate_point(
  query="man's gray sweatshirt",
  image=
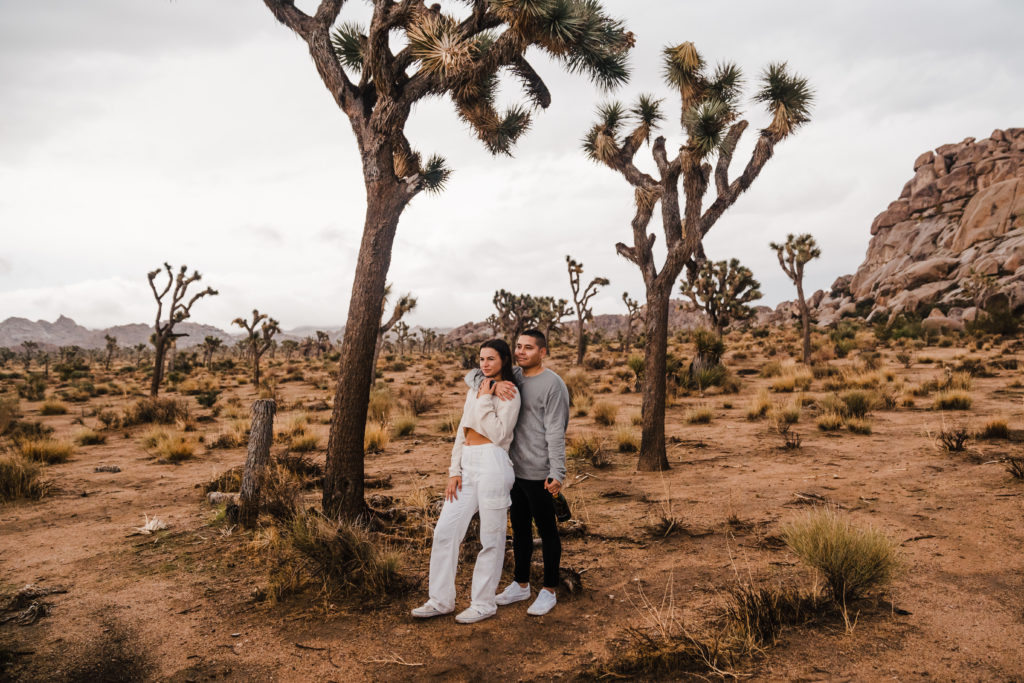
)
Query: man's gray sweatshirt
[{"x": 538, "y": 446}]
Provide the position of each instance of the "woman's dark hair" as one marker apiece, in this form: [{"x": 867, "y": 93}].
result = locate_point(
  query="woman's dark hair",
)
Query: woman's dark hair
[{"x": 504, "y": 353}]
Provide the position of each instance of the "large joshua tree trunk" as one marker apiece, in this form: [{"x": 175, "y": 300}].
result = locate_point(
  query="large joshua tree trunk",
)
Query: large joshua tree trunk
[
  {"x": 159, "y": 354},
  {"x": 343, "y": 480},
  {"x": 652, "y": 451},
  {"x": 805, "y": 322}
]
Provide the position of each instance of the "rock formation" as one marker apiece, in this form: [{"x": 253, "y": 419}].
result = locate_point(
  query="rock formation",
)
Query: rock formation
[{"x": 960, "y": 219}]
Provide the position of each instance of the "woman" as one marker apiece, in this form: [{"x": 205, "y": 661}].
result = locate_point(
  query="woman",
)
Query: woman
[{"x": 480, "y": 478}]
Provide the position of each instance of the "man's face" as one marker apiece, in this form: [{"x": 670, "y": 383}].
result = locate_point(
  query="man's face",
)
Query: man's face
[{"x": 528, "y": 353}]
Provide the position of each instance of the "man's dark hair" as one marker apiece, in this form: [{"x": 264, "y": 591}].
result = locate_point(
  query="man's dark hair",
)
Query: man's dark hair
[
  {"x": 504, "y": 353},
  {"x": 542, "y": 341}
]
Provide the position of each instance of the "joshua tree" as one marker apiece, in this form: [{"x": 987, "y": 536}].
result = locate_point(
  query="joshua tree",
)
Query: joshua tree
[
  {"x": 793, "y": 254},
  {"x": 428, "y": 338},
  {"x": 259, "y": 338},
  {"x": 406, "y": 303},
  {"x": 712, "y": 126},
  {"x": 548, "y": 312},
  {"x": 582, "y": 300},
  {"x": 633, "y": 318},
  {"x": 140, "y": 350},
  {"x": 402, "y": 336},
  {"x": 111, "y": 349},
  {"x": 515, "y": 313},
  {"x": 723, "y": 290},
  {"x": 164, "y": 332},
  {"x": 438, "y": 56},
  {"x": 289, "y": 346},
  {"x": 323, "y": 343},
  {"x": 29, "y": 349},
  {"x": 6, "y": 355},
  {"x": 210, "y": 346}
]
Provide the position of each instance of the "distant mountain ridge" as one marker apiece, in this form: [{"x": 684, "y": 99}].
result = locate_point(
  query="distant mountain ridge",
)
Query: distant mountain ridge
[{"x": 66, "y": 332}]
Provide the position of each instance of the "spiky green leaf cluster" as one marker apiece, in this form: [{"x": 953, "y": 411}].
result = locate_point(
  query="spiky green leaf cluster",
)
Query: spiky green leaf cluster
[
  {"x": 602, "y": 142},
  {"x": 788, "y": 96},
  {"x": 435, "y": 174},
  {"x": 723, "y": 289},
  {"x": 347, "y": 41}
]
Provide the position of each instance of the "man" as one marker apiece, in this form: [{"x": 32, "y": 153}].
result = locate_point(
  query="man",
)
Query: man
[{"x": 538, "y": 458}]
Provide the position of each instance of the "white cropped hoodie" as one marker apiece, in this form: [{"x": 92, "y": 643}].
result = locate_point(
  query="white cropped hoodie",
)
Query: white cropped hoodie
[{"x": 487, "y": 415}]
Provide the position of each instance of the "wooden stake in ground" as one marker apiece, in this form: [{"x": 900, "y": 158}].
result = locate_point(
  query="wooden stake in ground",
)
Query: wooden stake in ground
[{"x": 260, "y": 437}]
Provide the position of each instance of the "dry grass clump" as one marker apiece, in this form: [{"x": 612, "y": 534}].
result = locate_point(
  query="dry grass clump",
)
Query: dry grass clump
[
  {"x": 49, "y": 451},
  {"x": 759, "y": 614},
  {"x": 9, "y": 411},
  {"x": 449, "y": 423},
  {"x": 605, "y": 413},
  {"x": 380, "y": 405},
  {"x": 953, "y": 399},
  {"x": 830, "y": 422},
  {"x": 154, "y": 411},
  {"x": 20, "y": 478},
  {"x": 174, "y": 447},
  {"x": 404, "y": 425},
  {"x": 859, "y": 425},
  {"x": 961, "y": 381},
  {"x": 759, "y": 405},
  {"x": 636, "y": 419},
  {"x": 627, "y": 440},
  {"x": 578, "y": 383},
  {"x": 236, "y": 434},
  {"x": 793, "y": 378},
  {"x": 53, "y": 408},
  {"x": 304, "y": 443},
  {"x": 581, "y": 406},
  {"x": 376, "y": 437},
  {"x": 340, "y": 558},
  {"x": 996, "y": 428},
  {"x": 772, "y": 368},
  {"x": 851, "y": 559},
  {"x": 587, "y": 447},
  {"x": 90, "y": 437},
  {"x": 858, "y": 403},
  {"x": 419, "y": 399},
  {"x": 700, "y": 415}
]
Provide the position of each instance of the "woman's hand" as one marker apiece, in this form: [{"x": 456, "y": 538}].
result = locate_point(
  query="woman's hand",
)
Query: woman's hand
[
  {"x": 486, "y": 387},
  {"x": 454, "y": 486}
]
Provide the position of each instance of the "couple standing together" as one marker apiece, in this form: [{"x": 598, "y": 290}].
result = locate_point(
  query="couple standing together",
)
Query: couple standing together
[{"x": 509, "y": 452}]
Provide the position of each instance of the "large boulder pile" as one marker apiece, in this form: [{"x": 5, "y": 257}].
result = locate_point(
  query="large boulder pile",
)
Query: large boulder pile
[{"x": 960, "y": 218}]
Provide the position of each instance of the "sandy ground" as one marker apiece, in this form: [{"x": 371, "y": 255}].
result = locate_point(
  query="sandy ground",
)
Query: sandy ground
[{"x": 182, "y": 599}]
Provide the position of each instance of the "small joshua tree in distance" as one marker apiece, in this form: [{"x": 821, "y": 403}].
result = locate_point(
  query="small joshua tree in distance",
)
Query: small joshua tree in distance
[
  {"x": 163, "y": 330},
  {"x": 581, "y": 298},
  {"x": 259, "y": 339},
  {"x": 793, "y": 254}
]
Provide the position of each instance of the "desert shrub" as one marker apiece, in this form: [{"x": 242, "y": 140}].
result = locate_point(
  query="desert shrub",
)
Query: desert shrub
[
  {"x": 595, "y": 363},
  {"x": 376, "y": 437},
  {"x": 858, "y": 403},
  {"x": 90, "y": 437},
  {"x": 49, "y": 451},
  {"x": 154, "y": 410},
  {"x": 700, "y": 415},
  {"x": 759, "y": 613},
  {"x": 858, "y": 425},
  {"x": 9, "y": 412},
  {"x": 996, "y": 428},
  {"x": 790, "y": 413},
  {"x": 925, "y": 388},
  {"x": 905, "y": 359},
  {"x": 53, "y": 408},
  {"x": 952, "y": 400},
  {"x": 33, "y": 388},
  {"x": 960, "y": 381},
  {"x": 175, "y": 448},
  {"x": 830, "y": 422},
  {"x": 759, "y": 405},
  {"x": 582, "y": 405},
  {"x": 578, "y": 383},
  {"x": 605, "y": 413},
  {"x": 236, "y": 434},
  {"x": 405, "y": 424},
  {"x": 627, "y": 440},
  {"x": 380, "y": 405},
  {"x": 449, "y": 423},
  {"x": 953, "y": 439},
  {"x": 583, "y": 447},
  {"x": 304, "y": 443},
  {"x": 228, "y": 481},
  {"x": 208, "y": 397},
  {"x": 108, "y": 418},
  {"x": 420, "y": 400},
  {"x": 1015, "y": 466},
  {"x": 772, "y": 368},
  {"x": 20, "y": 478},
  {"x": 852, "y": 560},
  {"x": 636, "y": 364},
  {"x": 636, "y": 418}
]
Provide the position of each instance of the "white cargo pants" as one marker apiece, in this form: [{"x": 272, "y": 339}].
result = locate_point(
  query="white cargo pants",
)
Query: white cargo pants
[{"x": 487, "y": 478}]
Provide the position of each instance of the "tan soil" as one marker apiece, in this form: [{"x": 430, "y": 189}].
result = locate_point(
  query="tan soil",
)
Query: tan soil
[{"x": 184, "y": 595}]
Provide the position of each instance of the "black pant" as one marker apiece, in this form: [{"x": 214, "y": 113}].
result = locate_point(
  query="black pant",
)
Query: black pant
[{"x": 532, "y": 504}]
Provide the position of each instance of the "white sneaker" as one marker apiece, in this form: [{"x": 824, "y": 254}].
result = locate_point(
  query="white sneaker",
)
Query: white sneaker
[
  {"x": 512, "y": 593},
  {"x": 427, "y": 610},
  {"x": 471, "y": 615},
  {"x": 544, "y": 603}
]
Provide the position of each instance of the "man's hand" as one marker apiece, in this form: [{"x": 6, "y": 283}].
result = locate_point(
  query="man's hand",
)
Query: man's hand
[
  {"x": 506, "y": 391},
  {"x": 552, "y": 486},
  {"x": 454, "y": 486}
]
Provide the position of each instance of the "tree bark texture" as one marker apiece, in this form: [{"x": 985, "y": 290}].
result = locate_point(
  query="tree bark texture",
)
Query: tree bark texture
[
  {"x": 158, "y": 365},
  {"x": 343, "y": 478},
  {"x": 805, "y": 320},
  {"x": 652, "y": 440},
  {"x": 261, "y": 435},
  {"x": 581, "y": 341}
]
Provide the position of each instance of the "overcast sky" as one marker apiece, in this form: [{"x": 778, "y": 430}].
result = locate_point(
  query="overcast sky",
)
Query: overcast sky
[{"x": 134, "y": 132}]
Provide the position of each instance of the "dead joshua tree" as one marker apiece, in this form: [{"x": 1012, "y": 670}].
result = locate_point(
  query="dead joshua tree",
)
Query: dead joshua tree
[
  {"x": 581, "y": 298},
  {"x": 723, "y": 290},
  {"x": 111, "y": 349},
  {"x": 259, "y": 339},
  {"x": 179, "y": 310},
  {"x": 634, "y": 315},
  {"x": 793, "y": 254},
  {"x": 711, "y": 122},
  {"x": 438, "y": 56},
  {"x": 261, "y": 435},
  {"x": 406, "y": 303}
]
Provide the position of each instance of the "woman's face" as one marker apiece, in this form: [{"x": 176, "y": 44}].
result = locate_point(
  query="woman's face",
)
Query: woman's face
[{"x": 490, "y": 362}]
